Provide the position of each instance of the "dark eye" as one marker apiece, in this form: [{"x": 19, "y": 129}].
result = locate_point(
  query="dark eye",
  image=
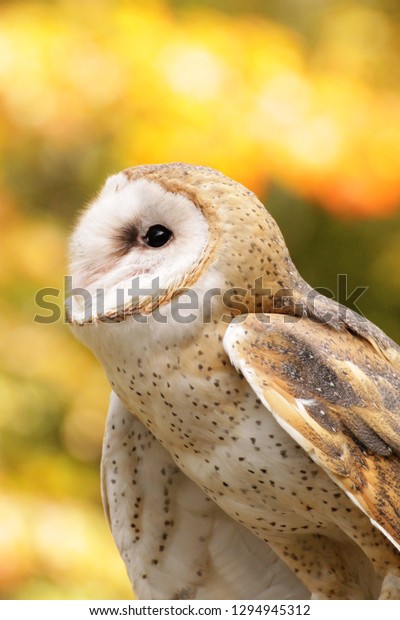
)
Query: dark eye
[{"x": 157, "y": 236}]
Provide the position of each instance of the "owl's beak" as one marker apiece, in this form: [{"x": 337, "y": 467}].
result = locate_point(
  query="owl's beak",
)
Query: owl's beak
[
  {"x": 78, "y": 310},
  {"x": 140, "y": 294}
]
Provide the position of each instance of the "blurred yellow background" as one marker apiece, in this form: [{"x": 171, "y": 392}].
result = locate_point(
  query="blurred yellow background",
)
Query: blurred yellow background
[{"x": 297, "y": 99}]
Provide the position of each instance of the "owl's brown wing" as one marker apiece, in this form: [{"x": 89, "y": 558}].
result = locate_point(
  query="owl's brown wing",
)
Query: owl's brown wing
[
  {"x": 177, "y": 543},
  {"x": 337, "y": 394},
  {"x": 341, "y": 318}
]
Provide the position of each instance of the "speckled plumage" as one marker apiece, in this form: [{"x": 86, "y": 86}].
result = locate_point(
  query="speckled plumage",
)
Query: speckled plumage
[{"x": 310, "y": 421}]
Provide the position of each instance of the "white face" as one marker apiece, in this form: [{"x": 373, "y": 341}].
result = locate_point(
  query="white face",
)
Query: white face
[{"x": 134, "y": 231}]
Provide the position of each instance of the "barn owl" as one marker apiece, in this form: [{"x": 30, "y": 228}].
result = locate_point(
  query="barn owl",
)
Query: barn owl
[{"x": 252, "y": 442}]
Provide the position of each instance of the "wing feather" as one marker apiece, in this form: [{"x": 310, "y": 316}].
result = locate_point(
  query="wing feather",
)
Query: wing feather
[{"x": 337, "y": 395}]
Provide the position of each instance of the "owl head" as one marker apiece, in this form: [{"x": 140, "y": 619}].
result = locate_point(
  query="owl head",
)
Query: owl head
[{"x": 155, "y": 232}]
